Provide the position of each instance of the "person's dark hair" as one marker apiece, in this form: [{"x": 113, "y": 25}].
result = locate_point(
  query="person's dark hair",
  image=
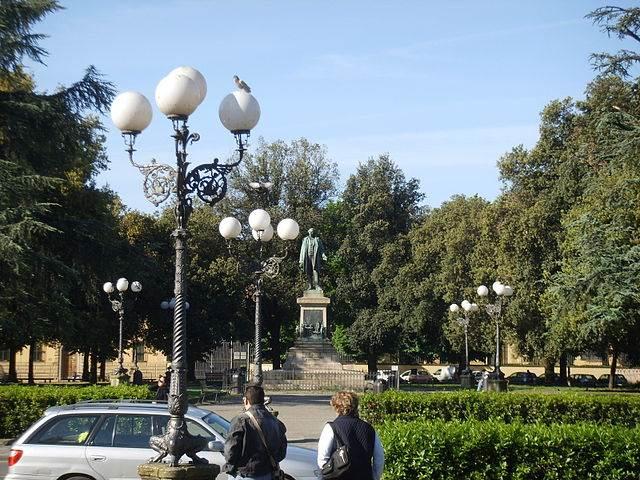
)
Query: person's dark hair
[{"x": 254, "y": 395}]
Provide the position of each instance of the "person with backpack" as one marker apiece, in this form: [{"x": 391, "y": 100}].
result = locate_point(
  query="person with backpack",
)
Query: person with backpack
[
  {"x": 349, "y": 448},
  {"x": 256, "y": 442}
]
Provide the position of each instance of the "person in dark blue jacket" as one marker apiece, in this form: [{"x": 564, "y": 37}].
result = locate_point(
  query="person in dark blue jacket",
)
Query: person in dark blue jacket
[{"x": 365, "y": 449}]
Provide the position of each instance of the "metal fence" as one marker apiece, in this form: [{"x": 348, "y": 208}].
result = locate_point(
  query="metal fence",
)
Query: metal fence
[{"x": 296, "y": 379}]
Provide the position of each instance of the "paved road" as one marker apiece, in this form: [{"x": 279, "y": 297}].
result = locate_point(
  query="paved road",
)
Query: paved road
[
  {"x": 4, "y": 453},
  {"x": 303, "y": 414}
]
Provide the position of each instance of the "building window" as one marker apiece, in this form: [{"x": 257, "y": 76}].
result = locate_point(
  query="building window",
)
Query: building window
[
  {"x": 38, "y": 353},
  {"x": 139, "y": 352},
  {"x": 4, "y": 355}
]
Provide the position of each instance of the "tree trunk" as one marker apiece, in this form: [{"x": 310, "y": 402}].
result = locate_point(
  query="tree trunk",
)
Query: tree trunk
[
  {"x": 13, "y": 372},
  {"x": 93, "y": 372},
  {"x": 612, "y": 370},
  {"x": 103, "y": 369},
  {"x": 86, "y": 375},
  {"x": 191, "y": 368},
  {"x": 563, "y": 368},
  {"x": 372, "y": 362},
  {"x": 549, "y": 366},
  {"x": 32, "y": 352}
]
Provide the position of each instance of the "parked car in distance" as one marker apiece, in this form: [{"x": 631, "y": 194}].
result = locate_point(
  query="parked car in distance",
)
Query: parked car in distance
[
  {"x": 522, "y": 378},
  {"x": 583, "y": 380},
  {"x": 104, "y": 440},
  {"x": 445, "y": 374},
  {"x": 552, "y": 379},
  {"x": 618, "y": 381},
  {"x": 417, "y": 376}
]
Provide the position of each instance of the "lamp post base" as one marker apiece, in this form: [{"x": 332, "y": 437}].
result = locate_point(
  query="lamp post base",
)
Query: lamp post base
[
  {"x": 494, "y": 385},
  {"x": 467, "y": 380},
  {"x": 162, "y": 471}
]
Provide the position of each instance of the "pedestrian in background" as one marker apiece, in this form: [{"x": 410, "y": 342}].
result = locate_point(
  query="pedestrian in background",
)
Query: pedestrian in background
[
  {"x": 163, "y": 391},
  {"x": 366, "y": 455}
]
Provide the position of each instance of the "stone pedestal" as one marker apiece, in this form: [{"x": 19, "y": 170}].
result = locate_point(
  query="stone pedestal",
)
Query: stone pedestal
[
  {"x": 313, "y": 315},
  {"x": 494, "y": 385},
  {"x": 162, "y": 471}
]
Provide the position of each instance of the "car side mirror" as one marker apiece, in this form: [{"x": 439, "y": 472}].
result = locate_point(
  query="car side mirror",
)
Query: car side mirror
[{"x": 215, "y": 446}]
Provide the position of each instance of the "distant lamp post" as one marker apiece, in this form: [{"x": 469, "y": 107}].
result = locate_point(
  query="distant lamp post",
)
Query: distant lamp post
[
  {"x": 496, "y": 381},
  {"x": 262, "y": 231},
  {"x": 177, "y": 96},
  {"x": 117, "y": 305},
  {"x": 466, "y": 379}
]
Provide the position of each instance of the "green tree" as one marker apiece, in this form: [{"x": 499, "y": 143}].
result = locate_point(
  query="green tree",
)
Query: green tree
[
  {"x": 53, "y": 142},
  {"x": 623, "y": 23},
  {"x": 595, "y": 293},
  {"x": 378, "y": 206}
]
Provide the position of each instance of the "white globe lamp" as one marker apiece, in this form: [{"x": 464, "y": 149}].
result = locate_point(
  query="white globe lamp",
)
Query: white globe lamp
[
  {"x": 177, "y": 96},
  {"x": 263, "y": 235},
  {"x": 239, "y": 112},
  {"x": 196, "y": 76},
  {"x": 288, "y": 229},
  {"x": 482, "y": 291},
  {"x": 131, "y": 112},
  {"x": 122, "y": 284},
  {"x": 230, "y": 228},
  {"x": 259, "y": 219}
]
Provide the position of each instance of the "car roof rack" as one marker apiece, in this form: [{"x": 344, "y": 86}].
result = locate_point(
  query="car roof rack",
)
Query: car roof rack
[{"x": 122, "y": 400}]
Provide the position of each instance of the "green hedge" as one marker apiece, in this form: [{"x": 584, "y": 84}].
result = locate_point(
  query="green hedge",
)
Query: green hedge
[
  {"x": 621, "y": 410},
  {"x": 20, "y": 406},
  {"x": 494, "y": 450}
]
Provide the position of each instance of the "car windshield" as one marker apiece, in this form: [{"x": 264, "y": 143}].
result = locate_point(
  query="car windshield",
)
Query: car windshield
[{"x": 219, "y": 424}]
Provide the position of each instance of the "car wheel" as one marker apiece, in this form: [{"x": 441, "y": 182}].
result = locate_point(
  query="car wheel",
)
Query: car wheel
[{"x": 77, "y": 477}]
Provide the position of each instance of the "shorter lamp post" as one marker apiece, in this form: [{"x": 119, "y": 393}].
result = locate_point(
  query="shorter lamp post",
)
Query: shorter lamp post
[
  {"x": 262, "y": 231},
  {"x": 496, "y": 381},
  {"x": 466, "y": 379},
  {"x": 117, "y": 304}
]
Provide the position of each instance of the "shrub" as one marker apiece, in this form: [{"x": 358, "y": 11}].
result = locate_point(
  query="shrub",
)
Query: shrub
[
  {"x": 494, "y": 450},
  {"x": 20, "y": 406},
  {"x": 621, "y": 410}
]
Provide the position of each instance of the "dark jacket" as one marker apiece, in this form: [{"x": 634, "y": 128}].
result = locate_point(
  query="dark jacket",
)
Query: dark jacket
[
  {"x": 244, "y": 451},
  {"x": 359, "y": 436}
]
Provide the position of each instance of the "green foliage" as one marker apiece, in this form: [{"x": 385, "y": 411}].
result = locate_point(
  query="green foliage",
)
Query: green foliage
[
  {"x": 492, "y": 450},
  {"x": 623, "y": 23},
  {"x": 20, "y": 406},
  {"x": 379, "y": 205},
  {"x": 16, "y": 38},
  {"x": 512, "y": 408}
]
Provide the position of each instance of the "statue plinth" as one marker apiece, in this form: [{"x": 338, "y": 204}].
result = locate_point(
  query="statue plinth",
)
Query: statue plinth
[
  {"x": 313, "y": 315},
  {"x": 162, "y": 471}
]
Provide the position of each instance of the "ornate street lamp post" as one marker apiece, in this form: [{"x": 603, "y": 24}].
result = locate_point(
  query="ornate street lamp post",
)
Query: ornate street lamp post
[
  {"x": 177, "y": 96},
  {"x": 117, "y": 305},
  {"x": 466, "y": 379},
  {"x": 262, "y": 231},
  {"x": 496, "y": 381}
]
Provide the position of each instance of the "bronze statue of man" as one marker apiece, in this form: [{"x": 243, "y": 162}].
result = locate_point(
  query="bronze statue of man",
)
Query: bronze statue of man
[{"x": 311, "y": 258}]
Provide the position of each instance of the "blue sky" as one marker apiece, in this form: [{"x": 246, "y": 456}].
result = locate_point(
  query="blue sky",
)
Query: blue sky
[{"x": 444, "y": 87}]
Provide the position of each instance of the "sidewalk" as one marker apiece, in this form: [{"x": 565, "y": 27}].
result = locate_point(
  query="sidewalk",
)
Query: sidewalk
[{"x": 303, "y": 414}]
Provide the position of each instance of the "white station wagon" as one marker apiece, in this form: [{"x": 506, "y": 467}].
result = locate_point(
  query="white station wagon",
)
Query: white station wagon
[{"x": 108, "y": 440}]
